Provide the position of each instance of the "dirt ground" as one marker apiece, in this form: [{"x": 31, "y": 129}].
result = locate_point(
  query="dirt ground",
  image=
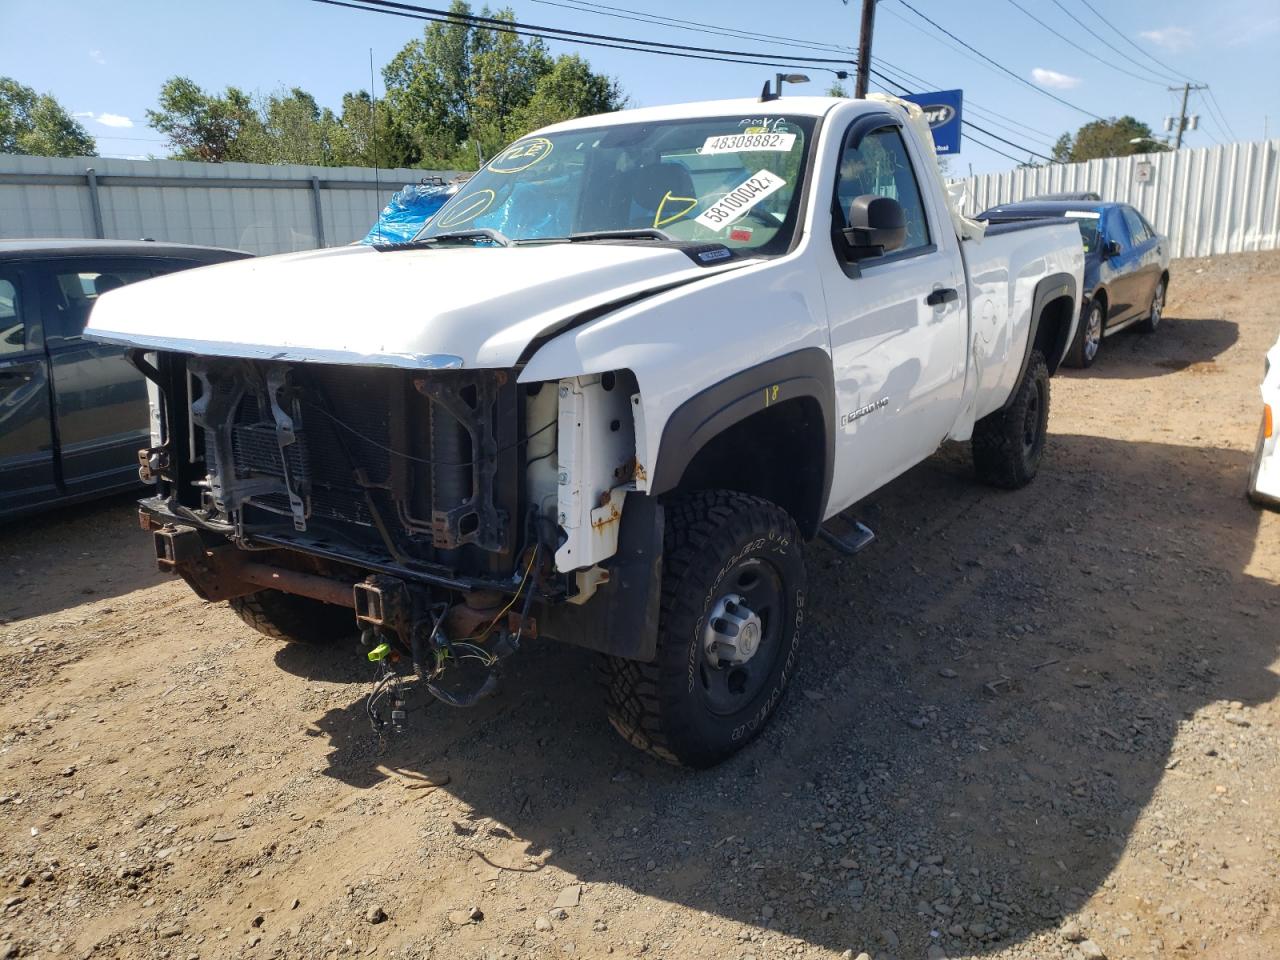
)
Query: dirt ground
[{"x": 1034, "y": 724}]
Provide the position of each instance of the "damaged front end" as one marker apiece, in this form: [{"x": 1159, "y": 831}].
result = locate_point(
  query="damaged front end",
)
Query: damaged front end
[{"x": 454, "y": 513}]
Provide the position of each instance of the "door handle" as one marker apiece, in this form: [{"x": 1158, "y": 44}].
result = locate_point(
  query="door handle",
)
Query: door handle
[
  {"x": 942, "y": 295},
  {"x": 15, "y": 375}
]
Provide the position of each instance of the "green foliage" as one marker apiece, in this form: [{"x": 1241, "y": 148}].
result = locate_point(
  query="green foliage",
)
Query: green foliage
[
  {"x": 35, "y": 123},
  {"x": 457, "y": 88},
  {"x": 455, "y": 93},
  {"x": 1106, "y": 138}
]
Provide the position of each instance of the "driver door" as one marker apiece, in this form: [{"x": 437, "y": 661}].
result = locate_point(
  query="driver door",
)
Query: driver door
[{"x": 898, "y": 322}]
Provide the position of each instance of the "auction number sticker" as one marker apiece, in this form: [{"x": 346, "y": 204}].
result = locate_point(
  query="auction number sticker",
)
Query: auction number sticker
[
  {"x": 740, "y": 199},
  {"x": 751, "y": 140},
  {"x": 1083, "y": 214},
  {"x": 521, "y": 156}
]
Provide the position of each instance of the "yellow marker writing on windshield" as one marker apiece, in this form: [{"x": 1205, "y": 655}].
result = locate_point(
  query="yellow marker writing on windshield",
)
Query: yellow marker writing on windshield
[{"x": 660, "y": 221}]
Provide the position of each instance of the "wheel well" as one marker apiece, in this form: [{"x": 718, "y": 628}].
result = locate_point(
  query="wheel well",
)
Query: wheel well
[
  {"x": 778, "y": 453},
  {"x": 1100, "y": 295},
  {"x": 1056, "y": 318}
]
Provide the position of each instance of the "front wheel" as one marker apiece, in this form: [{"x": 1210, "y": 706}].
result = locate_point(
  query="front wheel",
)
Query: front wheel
[
  {"x": 728, "y": 632},
  {"x": 1088, "y": 338},
  {"x": 1008, "y": 445},
  {"x": 1152, "y": 319}
]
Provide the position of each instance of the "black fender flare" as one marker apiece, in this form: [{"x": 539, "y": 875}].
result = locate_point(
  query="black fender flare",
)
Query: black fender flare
[
  {"x": 1049, "y": 288},
  {"x": 803, "y": 373}
]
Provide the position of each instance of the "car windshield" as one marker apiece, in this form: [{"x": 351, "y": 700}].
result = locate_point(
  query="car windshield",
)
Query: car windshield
[
  {"x": 734, "y": 180},
  {"x": 1087, "y": 222}
]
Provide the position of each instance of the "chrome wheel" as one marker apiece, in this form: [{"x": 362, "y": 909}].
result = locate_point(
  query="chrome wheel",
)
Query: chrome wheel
[
  {"x": 1093, "y": 332},
  {"x": 1157, "y": 306}
]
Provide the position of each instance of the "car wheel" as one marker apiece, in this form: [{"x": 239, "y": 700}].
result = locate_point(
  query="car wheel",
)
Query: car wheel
[
  {"x": 1008, "y": 445},
  {"x": 728, "y": 632},
  {"x": 1152, "y": 319},
  {"x": 1088, "y": 338}
]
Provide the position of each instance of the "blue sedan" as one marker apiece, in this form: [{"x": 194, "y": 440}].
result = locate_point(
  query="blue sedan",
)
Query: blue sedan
[{"x": 1126, "y": 267}]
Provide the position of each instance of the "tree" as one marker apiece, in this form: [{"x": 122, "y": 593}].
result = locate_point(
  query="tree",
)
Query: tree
[
  {"x": 837, "y": 89},
  {"x": 458, "y": 88},
  {"x": 1106, "y": 138},
  {"x": 35, "y": 123},
  {"x": 203, "y": 126}
]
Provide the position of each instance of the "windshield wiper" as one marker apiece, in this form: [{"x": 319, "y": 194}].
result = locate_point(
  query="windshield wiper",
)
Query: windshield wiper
[
  {"x": 479, "y": 233},
  {"x": 639, "y": 233}
]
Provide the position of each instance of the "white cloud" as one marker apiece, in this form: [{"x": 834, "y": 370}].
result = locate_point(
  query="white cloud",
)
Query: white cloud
[
  {"x": 1173, "y": 39},
  {"x": 1052, "y": 78},
  {"x": 97, "y": 57},
  {"x": 113, "y": 120}
]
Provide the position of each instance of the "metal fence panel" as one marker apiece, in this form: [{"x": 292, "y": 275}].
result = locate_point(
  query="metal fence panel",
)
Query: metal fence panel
[
  {"x": 256, "y": 207},
  {"x": 1207, "y": 200}
]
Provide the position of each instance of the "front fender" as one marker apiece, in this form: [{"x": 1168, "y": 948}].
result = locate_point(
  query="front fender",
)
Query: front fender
[{"x": 686, "y": 340}]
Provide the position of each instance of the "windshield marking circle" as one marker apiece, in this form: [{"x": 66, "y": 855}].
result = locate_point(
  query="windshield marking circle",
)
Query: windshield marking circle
[
  {"x": 467, "y": 208},
  {"x": 521, "y": 156},
  {"x": 741, "y": 199}
]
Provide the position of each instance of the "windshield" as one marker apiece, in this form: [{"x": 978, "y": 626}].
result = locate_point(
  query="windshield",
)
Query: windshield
[{"x": 734, "y": 180}]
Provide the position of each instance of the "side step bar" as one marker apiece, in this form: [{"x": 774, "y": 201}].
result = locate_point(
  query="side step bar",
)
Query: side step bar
[{"x": 858, "y": 539}]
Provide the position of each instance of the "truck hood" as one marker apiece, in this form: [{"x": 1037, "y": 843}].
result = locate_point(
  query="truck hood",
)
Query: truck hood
[{"x": 418, "y": 307}]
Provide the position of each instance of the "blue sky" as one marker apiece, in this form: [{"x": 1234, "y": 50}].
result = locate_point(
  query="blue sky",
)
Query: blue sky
[{"x": 106, "y": 60}]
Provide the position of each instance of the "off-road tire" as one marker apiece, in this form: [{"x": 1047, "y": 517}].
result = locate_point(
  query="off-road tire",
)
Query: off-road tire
[
  {"x": 1078, "y": 356},
  {"x": 1151, "y": 322},
  {"x": 1002, "y": 454},
  {"x": 713, "y": 540},
  {"x": 285, "y": 616}
]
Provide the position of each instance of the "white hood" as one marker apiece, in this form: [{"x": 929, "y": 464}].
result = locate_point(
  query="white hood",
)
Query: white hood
[{"x": 417, "y": 307}]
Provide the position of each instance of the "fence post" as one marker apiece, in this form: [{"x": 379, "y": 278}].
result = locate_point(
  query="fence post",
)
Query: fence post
[
  {"x": 319, "y": 211},
  {"x": 95, "y": 203}
]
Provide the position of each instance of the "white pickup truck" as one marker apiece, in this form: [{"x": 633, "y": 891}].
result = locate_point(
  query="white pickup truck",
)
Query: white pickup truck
[{"x": 602, "y": 398}]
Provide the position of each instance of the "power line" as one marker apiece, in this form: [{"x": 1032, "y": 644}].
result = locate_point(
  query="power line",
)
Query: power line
[
  {"x": 390, "y": 7},
  {"x": 999, "y": 66},
  {"x": 1065, "y": 39},
  {"x": 623, "y": 13},
  {"x": 602, "y": 9},
  {"x": 584, "y": 36},
  {"x": 1125, "y": 38},
  {"x": 972, "y": 106},
  {"x": 1221, "y": 113},
  {"x": 968, "y": 123}
]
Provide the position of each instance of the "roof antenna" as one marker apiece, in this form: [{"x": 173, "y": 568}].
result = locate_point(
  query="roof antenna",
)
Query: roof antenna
[{"x": 373, "y": 135}]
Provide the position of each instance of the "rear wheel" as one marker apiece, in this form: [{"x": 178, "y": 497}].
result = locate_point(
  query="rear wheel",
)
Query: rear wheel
[
  {"x": 1088, "y": 338},
  {"x": 728, "y": 631},
  {"x": 285, "y": 616},
  {"x": 1152, "y": 319},
  {"x": 1008, "y": 445}
]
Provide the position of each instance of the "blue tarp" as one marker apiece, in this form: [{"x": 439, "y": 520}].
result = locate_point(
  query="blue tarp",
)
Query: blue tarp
[{"x": 410, "y": 207}]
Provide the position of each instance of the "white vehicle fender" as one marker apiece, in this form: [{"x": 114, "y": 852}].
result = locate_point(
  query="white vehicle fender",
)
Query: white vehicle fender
[{"x": 686, "y": 340}]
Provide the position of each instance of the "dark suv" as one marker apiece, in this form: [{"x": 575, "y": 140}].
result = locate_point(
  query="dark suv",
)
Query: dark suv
[{"x": 73, "y": 413}]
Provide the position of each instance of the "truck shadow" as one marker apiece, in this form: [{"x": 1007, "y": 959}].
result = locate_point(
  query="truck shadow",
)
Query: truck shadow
[
  {"x": 101, "y": 536},
  {"x": 1179, "y": 343},
  {"x": 989, "y": 699}
]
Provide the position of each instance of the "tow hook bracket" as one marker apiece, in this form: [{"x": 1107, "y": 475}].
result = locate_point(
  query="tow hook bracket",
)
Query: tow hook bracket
[
  {"x": 177, "y": 545},
  {"x": 382, "y": 603},
  {"x": 152, "y": 461}
]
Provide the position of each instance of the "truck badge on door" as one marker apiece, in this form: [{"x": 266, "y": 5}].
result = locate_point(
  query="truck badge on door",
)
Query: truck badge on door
[{"x": 862, "y": 411}]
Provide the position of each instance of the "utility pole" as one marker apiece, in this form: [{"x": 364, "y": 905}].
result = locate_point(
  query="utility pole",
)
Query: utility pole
[
  {"x": 1182, "y": 116},
  {"x": 864, "y": 48}
]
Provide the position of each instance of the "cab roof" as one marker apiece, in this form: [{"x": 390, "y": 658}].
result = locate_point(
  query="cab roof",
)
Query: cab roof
[{"x": 746, "y": 107}]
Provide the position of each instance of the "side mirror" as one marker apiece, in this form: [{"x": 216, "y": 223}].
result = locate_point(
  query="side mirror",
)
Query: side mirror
[
  {"x": 1111, "y": 249},
  {"x": 877, "y": 225}
]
